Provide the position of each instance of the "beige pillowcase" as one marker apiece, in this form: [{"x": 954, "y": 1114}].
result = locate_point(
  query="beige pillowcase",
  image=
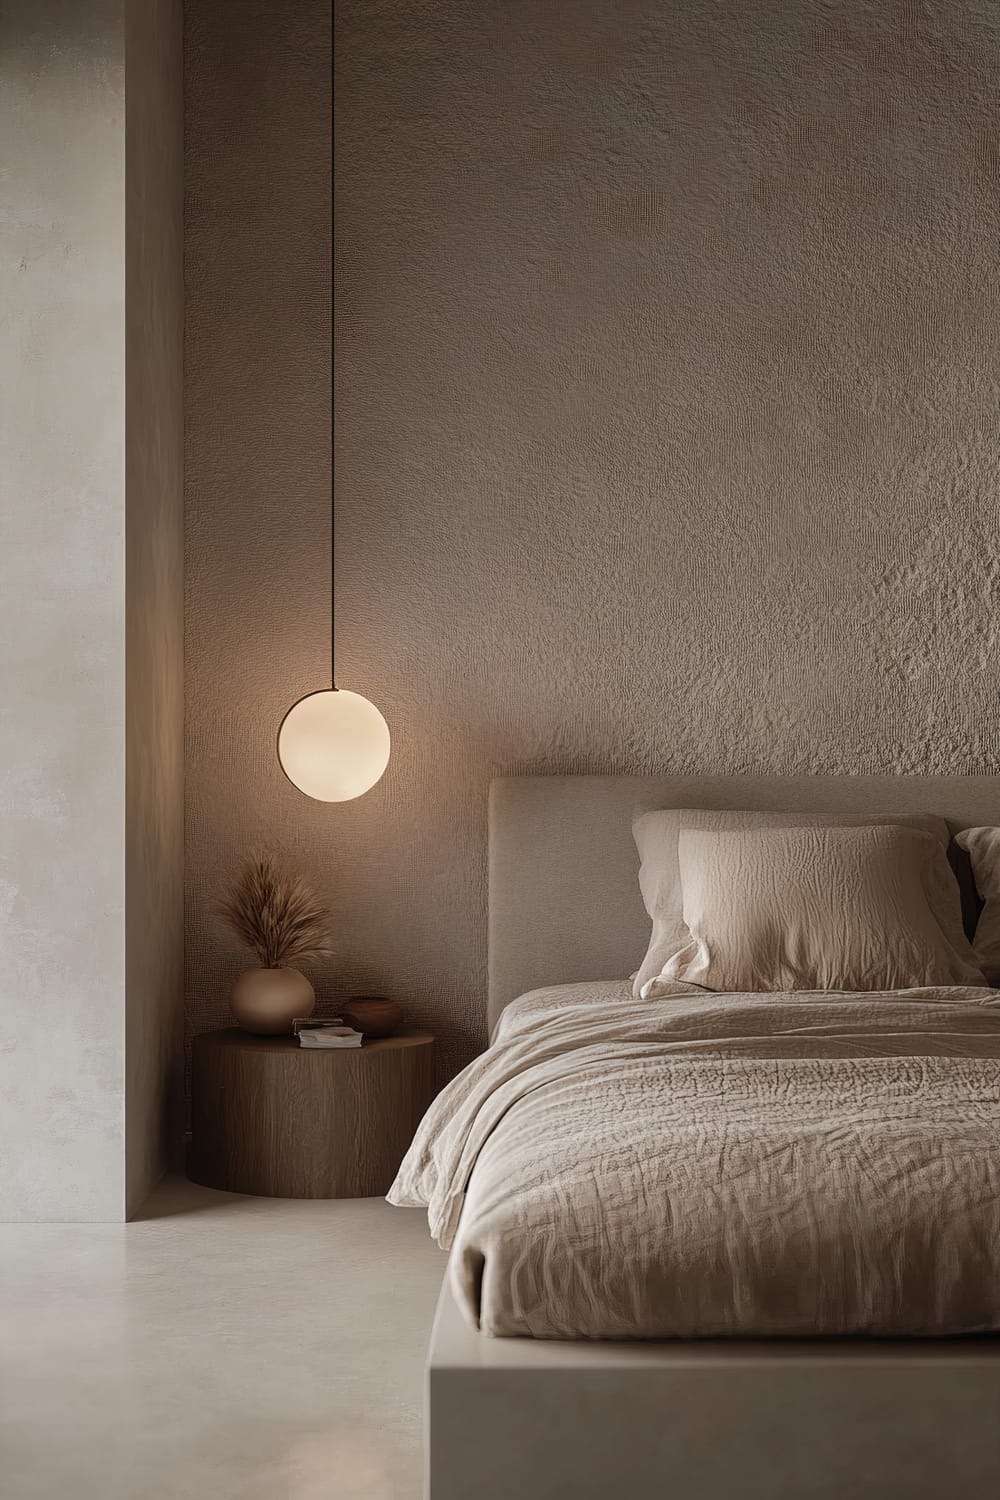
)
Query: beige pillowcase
[
  {"x": 983, "y": 847},
  {"x": 869, "y": 908},
  {"x": 656, "y": 834}
]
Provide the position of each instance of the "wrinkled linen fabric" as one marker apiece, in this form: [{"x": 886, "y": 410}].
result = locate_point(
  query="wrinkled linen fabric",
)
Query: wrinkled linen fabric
[
  {"x": 722, "y": 1165},
  {"x": 983, "y": 848},
  {"x": 872, "y": 908},
  {"x": 657, "y": 837}
]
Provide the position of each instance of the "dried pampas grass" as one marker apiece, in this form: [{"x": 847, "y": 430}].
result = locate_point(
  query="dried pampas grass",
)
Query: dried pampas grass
[{"x": 276, "y": 914}]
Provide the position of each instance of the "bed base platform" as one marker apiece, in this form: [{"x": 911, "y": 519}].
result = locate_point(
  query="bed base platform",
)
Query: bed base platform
[{"x": 519, "y": 1419}]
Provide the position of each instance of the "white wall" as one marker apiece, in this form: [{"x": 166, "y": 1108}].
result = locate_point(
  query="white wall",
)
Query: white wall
[{"x": 63, "y": 625}]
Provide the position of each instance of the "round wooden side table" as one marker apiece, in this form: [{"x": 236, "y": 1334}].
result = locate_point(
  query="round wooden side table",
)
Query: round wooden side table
[{"x": 283, "y": 1121}]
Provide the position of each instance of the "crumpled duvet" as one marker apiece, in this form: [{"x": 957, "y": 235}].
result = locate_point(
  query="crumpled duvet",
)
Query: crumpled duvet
[{"x": 722, "y": 1164}]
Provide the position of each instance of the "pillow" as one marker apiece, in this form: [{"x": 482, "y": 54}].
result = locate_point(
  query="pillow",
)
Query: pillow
[
  {"x": 983, "y": 848},
  {"x": 868, "y": 908},
  {"x": 656, "y": 835}
]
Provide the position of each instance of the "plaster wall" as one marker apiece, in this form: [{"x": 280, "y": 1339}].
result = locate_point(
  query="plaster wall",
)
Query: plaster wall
[
  {"x": 154, "y": 591},
  {"x": 667, "y": 389},
  {"x": 62, "y": 555},
  {"x": 91, "y": 635}
]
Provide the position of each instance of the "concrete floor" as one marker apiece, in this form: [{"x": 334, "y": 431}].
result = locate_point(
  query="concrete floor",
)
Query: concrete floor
[{"x": 224, "y": 1347}]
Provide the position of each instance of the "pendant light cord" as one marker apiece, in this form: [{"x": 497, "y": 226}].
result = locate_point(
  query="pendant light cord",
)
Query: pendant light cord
[{"x": 333, "y": 589}]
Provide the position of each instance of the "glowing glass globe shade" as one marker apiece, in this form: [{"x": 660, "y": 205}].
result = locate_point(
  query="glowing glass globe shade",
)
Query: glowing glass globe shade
[{"x": 333, "y": 745}]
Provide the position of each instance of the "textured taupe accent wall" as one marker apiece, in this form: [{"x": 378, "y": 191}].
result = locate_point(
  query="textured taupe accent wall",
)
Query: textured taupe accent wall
[
  {"x": 667, "y": 391},
  {"x": 154, "y": 590}
]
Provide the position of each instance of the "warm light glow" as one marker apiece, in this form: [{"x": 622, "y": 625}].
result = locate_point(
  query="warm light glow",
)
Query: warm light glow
[{"x": 333, "y": 745}]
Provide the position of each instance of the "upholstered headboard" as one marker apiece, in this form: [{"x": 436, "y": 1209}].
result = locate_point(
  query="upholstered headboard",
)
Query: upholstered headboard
[{"x": 564, "y": 890}]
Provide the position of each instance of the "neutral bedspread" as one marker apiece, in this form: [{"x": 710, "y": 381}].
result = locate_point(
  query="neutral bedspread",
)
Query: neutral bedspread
[{"x": 712, "y": 1164}]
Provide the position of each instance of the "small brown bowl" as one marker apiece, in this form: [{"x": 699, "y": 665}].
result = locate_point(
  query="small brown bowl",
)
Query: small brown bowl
[{"x": 372, "y": 1015}]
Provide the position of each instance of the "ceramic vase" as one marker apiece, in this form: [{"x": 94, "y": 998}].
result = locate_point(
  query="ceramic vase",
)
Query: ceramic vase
[{"x": 267, "y": 1001}]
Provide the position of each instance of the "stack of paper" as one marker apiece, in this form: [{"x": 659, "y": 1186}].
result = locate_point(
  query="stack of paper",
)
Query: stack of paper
[{"x": 329, "y": 1037}]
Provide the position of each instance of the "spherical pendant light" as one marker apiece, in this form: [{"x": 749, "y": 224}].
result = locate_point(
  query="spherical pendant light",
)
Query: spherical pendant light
[{"x": 333, "y": 745}]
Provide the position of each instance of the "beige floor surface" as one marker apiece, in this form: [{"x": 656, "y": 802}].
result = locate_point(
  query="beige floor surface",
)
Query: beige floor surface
[{"x": 218, "y": 1348}]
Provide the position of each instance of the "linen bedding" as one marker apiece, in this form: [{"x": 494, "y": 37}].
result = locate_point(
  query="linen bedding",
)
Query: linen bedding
[{"x": 796, "y": 1164}]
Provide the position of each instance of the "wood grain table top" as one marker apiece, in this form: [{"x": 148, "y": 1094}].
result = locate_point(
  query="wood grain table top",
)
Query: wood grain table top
[{"x": 245, "y": 1041}]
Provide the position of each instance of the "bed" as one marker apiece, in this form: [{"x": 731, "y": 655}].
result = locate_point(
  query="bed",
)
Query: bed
[{"x": 694, "y": 1404}]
